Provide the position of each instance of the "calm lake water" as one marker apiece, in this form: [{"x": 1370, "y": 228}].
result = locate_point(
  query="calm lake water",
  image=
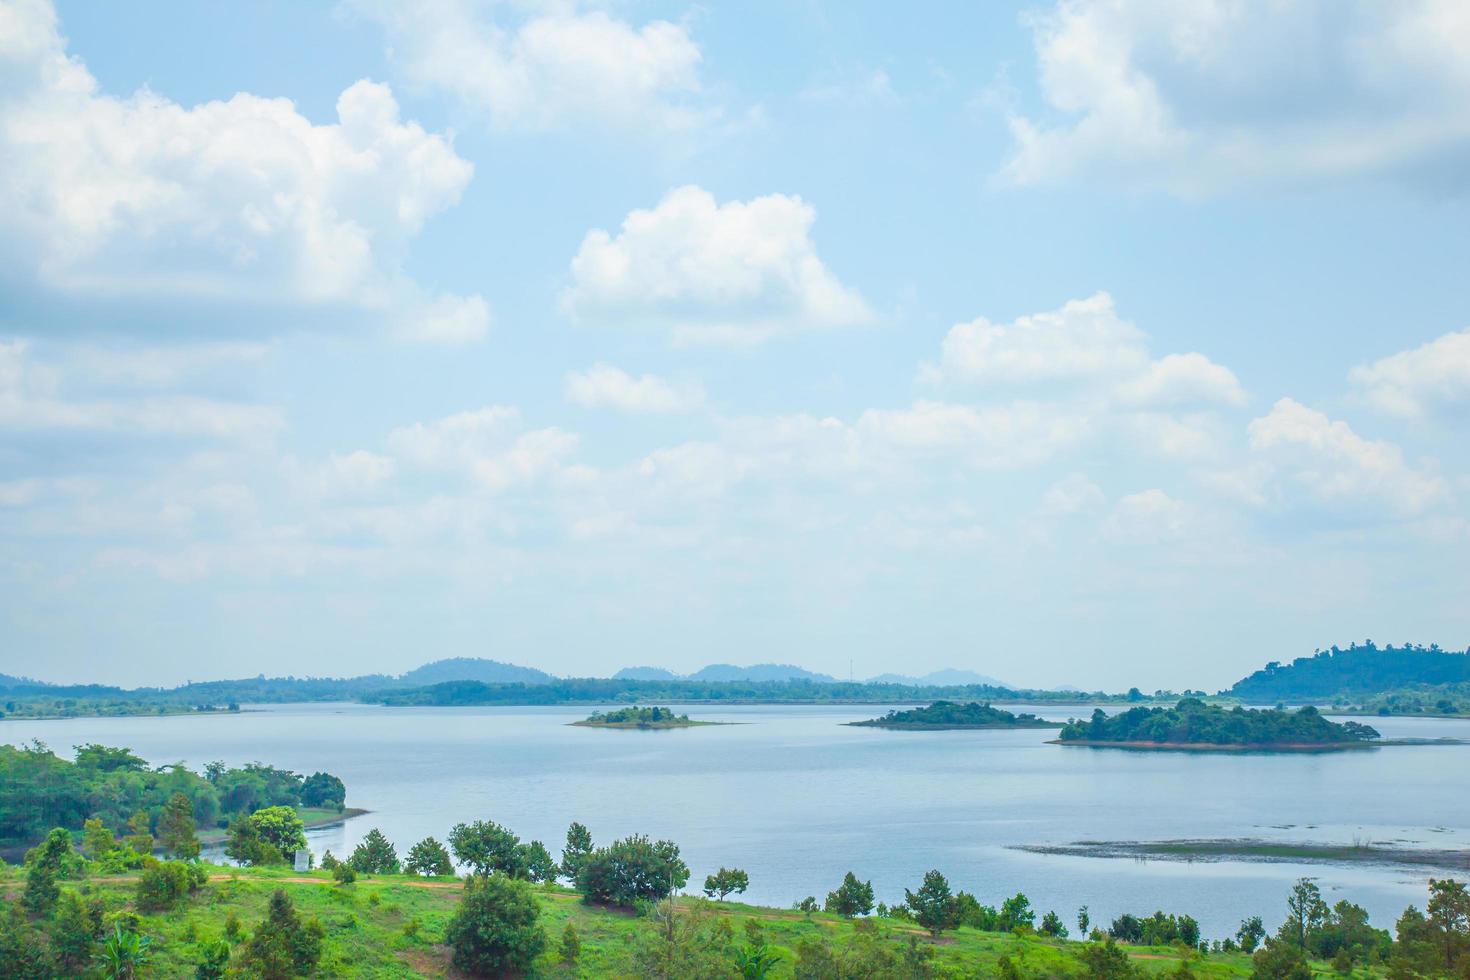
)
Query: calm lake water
[{"x": 797, "y": 799}]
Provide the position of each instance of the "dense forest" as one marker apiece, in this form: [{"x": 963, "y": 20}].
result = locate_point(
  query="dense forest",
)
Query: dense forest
[
  {"x": 1192, "y": 722},
  {"x": 636, "y": 717},
  {"x": 1366, "y": 669},
  {"x": 43, "y": 790},
  {"x": 953, "y": 714},
  {"x": 1421, "y": 699}
]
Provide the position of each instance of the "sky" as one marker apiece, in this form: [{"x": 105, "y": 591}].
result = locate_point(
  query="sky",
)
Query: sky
[{"x": 1094, "y": 343}]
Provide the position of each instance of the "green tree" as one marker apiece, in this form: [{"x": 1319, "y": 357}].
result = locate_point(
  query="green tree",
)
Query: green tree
[
  {"x": 322, "y": 789},
  {"x": 495, "y": 929},
  {"x": 1016, "y": 913},
  {"x": 46, "y": 864},
  {"x": 161, "y": 885},
  {"x": 1305, "y": 912},
  {"x": 244, "y": 844},
  {"x": 140, "y": 835},
  {"x": 571, "y": 944},
  {"x": 488, "y": 848},
  {"x": 631, "y": 870},
  {"x": 1052, "y": 925},
  {"x": 1448, "y": 917},
  {"x": 537, "y": 861},
  {"x": 428, "y": 857},
  {"x": 851, "y": 898},
  {"x": 344, "y": 873},
  {"x": 75, "y": 931},
  {"x": 1105, "y": 961},
  {"x": 283, "y": 945},
  {"x": 374, "y": 855},
  {"x": 25, "y": 951},
  {"x": 214, "y": 960},
  {"x": 808, "y": 905},
  {"x": 1250, "y": 933},
  {"x": 124, "y": 954},
  {"x": 1084, "y": 922},
  {"x": 724, "y": 882},
  {"x": 1280, "y": 959},
  {"x": 932, "y": 905},
  {"x": 578, "y": 847},
  {"x": 280, "y": 827},
  {"x": 176, "y": 828}
]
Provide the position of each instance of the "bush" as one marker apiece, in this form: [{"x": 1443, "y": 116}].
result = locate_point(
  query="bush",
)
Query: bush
[
  {"x": 632, "y": 870},
  {"x": 162, "y": 884},
  {"x": 283, "y": 945},
  {"x": 495, "y": 930},
  {"x": 344, "y": 873}
]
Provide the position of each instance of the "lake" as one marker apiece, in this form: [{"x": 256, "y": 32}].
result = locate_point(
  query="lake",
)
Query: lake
[{"x": 797, "y": 799}]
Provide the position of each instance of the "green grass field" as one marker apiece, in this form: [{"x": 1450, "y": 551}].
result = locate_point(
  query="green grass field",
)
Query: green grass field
[{"x": 393, "y": 926}]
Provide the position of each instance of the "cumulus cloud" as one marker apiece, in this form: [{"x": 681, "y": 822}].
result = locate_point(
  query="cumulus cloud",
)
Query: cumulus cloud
[
  {"x": 32, "y": 399},
  {"x": 559, "y": 66},
  {"x": 1086, "y": 345},
  {"x": 1199, "y": 97},
  {"x": 1327, "y": 461},
  {"x": 738, "y": 272},
  {"x": 491, "y": 444},
  {"x": 1414, "y": 383},
  {"x": 606, "y": 386},
  {"x": 227, "y": 200},
  {"x": 1147, "y": 517}
]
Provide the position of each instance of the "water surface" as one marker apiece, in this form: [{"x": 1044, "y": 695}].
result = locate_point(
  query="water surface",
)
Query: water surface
[{"x": 797, "y": 799}]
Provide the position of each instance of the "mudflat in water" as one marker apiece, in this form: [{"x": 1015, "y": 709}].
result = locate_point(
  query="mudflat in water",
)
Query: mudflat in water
[{"x": 796, "y": 797}]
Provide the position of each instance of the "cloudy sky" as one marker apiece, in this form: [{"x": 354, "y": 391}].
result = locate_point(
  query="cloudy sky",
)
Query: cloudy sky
[{"x": 1100, "y": 343}]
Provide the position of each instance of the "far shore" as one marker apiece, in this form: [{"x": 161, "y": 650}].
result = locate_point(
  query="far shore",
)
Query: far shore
[{"x": 1212, "y": 747}]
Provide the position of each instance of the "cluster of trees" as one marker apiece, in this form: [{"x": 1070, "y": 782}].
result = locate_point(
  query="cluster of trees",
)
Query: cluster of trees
[
  {"x": 1192, "y": 722},
  {"x": 1360, "y": 669},
  {"x": 642, "y": 717},
  {"x": 955, "y": 714},
  {"x": 116, "y": 787},
  {"x": 1159, "y": 929},
  {"x": 1422, "y": 699}
]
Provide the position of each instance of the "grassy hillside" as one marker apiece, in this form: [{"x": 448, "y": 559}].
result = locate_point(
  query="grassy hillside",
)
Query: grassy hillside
[{"x": 393, "y": 926}]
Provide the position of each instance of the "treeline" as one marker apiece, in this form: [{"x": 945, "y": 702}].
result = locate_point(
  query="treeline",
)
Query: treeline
[
  {"x": 1360, "y": 669},
  {"x": 954, "y": 714},
  {"x": 637, "y": 716},
  {"x": 1192, "y": 722},
  {"x": 125, "y": 795},
  {"x": 593, "y": 690},
  {"x": 1422, "y": 699}
]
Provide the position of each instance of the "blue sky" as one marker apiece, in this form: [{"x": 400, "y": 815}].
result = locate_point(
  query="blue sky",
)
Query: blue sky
[{"x": 1090, "y": 343}]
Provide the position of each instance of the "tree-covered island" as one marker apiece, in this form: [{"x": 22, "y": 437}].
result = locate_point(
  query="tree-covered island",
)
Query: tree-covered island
[
  {"x": 1192, "y": 724},
  {"x": 951, "y": 715},
  {"x": 640, "y": 718}
]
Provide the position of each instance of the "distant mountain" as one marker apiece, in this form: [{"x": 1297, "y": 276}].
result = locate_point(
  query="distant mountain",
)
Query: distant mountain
[
  {"x": 473, "y": 669},
  {"x": 941, "y": 678},
  {"x": 757, "y": 672},
  {"x": 645, "y": 674},
  {"x": 1366, "y": 669}
]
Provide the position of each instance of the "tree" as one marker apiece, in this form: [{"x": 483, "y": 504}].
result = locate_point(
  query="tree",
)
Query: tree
[
  {"x": 428, "y": 857},
  {"x": 578, "y": 847},
  {"x": 176, "y": 828},
  {"x": 681, "y": 943},
  {"x": 1250, "y": 933},
  {"x": 571, "y": 945},
  {"x": 1280, "y": 959},
  {"x": 374, "y": 855},
  {"x": 933, "y": 904},
  {"x": 162, "y": 884},
  {"x": 536, "y": 859},
  {"x": 851, "y": 898},
  {"x": 1052, "y": 925},
  {"x": 1084, "y": 922},
  {"x": 140, "y": 837},
  {"x": 1016, "y": 912},
  {"x": 488, "y": 848},
  {"x": 244, "y": 845},
  {"x": 1305, "y": 912},
  {"x": 343, "y": 873},
  {"x": 495, "y": 930},
  {"x": 1448, "y": 918},
  {"x": 283, "y": 945},
  {"x": 724, "y": 882},
  {"x": 322, "y": 789},
  {"x": 47, "y": 863},
  {"x": 214, "y": 960},
  {"x": 280, "y": 827},
  {"x": 1105, "y": 961},
  {"x": 808, "y": 905},
  {"x": 123, "y": 955},
  {"x": 631, "y": 870},
  {"x": 74, "y": 932}
]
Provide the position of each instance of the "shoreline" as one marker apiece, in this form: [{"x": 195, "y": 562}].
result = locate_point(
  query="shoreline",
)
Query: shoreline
[
  {"x": 1256, "y": 850},
  {"x": 903, "y": 727},
  {"x": 1213, "y": 747}
]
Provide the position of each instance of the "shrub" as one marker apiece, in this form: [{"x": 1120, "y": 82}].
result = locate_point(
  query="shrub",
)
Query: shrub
[
  {"x": 631, "y": 870},
  {"x": 283, "y": 945},
  {"x": 162, "y": 884},
  {"x": 344, "y": 873},
  {"x": 495, "y": 930}
]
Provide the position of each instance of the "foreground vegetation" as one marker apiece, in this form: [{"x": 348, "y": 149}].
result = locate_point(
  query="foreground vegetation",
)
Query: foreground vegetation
[
  {"x": 1192, "y": 723},
  {"x": 952, "y": 715},
  {"x": 71, "y": 914}
]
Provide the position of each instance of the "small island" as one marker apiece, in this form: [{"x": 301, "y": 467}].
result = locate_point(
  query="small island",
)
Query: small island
[
  {"x": 1194, "y": 725},
  {"x": 640, "y": 718},
  {"x": 951, "y": 715}
]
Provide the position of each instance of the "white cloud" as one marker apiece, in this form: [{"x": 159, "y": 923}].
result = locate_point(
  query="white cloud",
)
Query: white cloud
[
  {"x": 1147, "y": 517},
  {"x": 32, "y": 400},
  {"x": 1331, "y": 463},
  {"x": 1072, "y": 494},
  {"x": 1198, "y": 97},
  {"x": 738, "y": 272},
  {"x": 1001, "y": 436},
  {"x": 606, "y": 386},
  {"x": 347, "y": 475},
  {"x": 448, "y": 319},
  {"x": 558, "y": 66},
  {"x": 242, "y": 199},
  {"x": 490, "y": 444},
  {"x": 1086, "y": 345},
  {"x": 1417, "y": 382}
]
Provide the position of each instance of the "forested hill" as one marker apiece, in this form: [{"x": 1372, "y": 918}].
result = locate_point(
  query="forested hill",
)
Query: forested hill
[{"x": 1366, "y": 669}]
